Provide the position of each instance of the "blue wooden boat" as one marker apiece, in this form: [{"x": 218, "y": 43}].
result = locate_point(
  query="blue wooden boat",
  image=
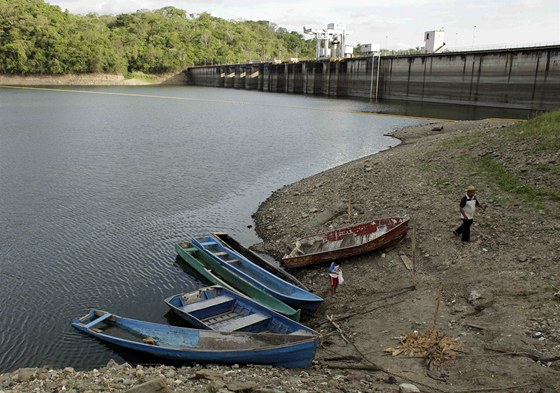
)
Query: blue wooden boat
[
  {"x": 233, "y": 244},
  {"x": 221, "y": 309},
  {"x": 197, "y": 345},
  {"x": 216, "y": 274},
  {"x": 259, "y": 277}
]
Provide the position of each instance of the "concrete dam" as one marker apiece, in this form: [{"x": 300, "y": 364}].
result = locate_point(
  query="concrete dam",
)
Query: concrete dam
[{"x": 522, "y": 78}]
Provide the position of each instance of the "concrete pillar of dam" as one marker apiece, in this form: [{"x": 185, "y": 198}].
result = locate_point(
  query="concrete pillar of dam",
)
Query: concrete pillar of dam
[
  {"x": 318, "y": 72},
  {"x": 229, "y": 78},
  {"x": 240, "y": 74},
  {"x": 260, "y": 79},
  {"x": 295, "y": 78},
  {"x": 239, "y": 78},
  {"x": 252, "y": 77},
  {"x": 271, "y": 80},
  {"x": 281, "y": 82}
]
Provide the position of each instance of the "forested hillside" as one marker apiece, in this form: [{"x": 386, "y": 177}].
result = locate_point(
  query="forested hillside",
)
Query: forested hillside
[{"x": 37, "y": 38}]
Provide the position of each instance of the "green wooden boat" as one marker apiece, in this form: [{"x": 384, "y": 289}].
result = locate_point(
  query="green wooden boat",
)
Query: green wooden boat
[{"x": 216, "y": 274}]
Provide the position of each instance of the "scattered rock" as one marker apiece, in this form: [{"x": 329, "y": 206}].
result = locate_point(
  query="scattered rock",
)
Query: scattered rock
[
  {"x": 408, "y": 388},
  {"x": 157, "y": 385}
]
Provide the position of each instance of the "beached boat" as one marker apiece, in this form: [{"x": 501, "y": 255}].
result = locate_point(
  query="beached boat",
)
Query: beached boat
[
  {"x": 230, "y": 242},
  {"x": 197, "y": 345},
  {"x": 216, "y": 274},
  {"x": 236, "y": 263},
  {"x": 347, "y": 242},
  {"x": 218, "y": 308}
]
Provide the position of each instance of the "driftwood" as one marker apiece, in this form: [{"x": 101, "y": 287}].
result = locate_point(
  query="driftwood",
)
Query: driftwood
[
  {"x": 330, "y": 318},
  {"x": 338, "y": 358},
  {"x": 407, "y": 261},
  {"x": 414, "y": 254},
  {"x": 495, "y": 389},
  {"x": 371, "y": 365},
  {"x": 354, "y": 366},
  {"x": 362, "y": 306},
  {"x": 525, "y": 354},
  {"x": 472, "y": 325},
  {"x": 347, "y": 316},
  {"x": 438, "y": 303}
]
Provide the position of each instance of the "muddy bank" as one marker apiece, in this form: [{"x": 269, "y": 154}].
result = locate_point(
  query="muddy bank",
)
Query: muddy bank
[{"x": 500, "y": 292}]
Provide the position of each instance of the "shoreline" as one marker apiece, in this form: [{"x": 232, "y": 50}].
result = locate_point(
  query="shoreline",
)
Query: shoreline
[
  {"x": 90, "y": 80},
  {"x": 485, "y": 284}
]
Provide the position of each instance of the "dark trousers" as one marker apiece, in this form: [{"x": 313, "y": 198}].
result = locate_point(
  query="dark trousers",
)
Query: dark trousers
[{"x": 465, "y": 230}]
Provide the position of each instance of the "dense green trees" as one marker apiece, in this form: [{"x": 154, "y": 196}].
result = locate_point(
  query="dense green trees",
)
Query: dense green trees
[{"x": 36, "y": 37}]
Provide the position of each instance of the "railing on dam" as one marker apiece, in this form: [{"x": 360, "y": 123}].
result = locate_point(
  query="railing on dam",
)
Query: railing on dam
[{"x": 526, "y": 78}]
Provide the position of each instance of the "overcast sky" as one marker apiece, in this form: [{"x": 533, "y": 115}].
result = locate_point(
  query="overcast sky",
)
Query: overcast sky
[{"x": 394, "y": 24}]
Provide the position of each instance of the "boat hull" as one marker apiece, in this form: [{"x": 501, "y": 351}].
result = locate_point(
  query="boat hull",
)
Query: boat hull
[
  {"x": 329, "y": 251},
  {"x": 288, "y": 293},
  {"x": 195, "y": 345},
  {"x": 221, "y": 309},
  {"x": 215, "y": 273},
  {"x": 230, "y": 242}
]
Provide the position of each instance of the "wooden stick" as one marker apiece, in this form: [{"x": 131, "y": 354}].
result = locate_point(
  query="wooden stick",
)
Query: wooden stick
[
  {"x": 436, "y": 315},
  {"x": 343, "y": 366},
  {"x": 330, "y": 318},
  {"x": 525, "y": 354},
  {"x": 494, "y": 389},
  {"x": 343, "y": 317},
  {"x": 475, "y": 326},
  {"x": 337, "y": 358},
  {"x": 414, "y": 253},
  {"x": 349, "y": 206}
]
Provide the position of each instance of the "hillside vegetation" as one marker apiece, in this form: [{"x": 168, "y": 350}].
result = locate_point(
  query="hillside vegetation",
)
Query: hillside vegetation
[{"x": 37, "y": 38}]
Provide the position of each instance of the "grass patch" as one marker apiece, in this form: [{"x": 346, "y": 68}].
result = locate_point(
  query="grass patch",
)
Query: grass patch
[
  {"x": 509, "y": 182},
  {"x": 439, "y": 183},
  {"x": 141, "y": 76},
  {"x": 547, "y": 168},
  {"x": 461, "y": 141},
  {"x": 543, "y": 132}
]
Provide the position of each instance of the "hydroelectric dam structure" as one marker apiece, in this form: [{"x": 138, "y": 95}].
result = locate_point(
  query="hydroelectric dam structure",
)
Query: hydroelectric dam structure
[{"x": 521, "y": 78}]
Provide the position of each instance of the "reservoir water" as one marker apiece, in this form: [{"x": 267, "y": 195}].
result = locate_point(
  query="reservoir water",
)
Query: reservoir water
[{"x": 98, "y": 184}]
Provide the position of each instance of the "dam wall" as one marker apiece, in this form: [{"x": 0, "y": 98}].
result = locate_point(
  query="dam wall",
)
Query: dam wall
[{"x": 524, "y": 78}]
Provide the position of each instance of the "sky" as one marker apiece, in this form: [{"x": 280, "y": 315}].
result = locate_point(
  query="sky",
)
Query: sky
[{"x": 393, "y": 24}]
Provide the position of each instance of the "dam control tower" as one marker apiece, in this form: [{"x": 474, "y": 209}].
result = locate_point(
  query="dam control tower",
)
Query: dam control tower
[{"x": 331, "y": 42}]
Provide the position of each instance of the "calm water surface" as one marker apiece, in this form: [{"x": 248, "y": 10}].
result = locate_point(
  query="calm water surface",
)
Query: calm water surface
[{"x": 98, "y": 184}]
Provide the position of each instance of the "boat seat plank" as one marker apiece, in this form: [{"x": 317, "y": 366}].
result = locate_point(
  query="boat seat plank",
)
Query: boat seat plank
[
  {"x": 231, "y": 260},
  {"x": 98, "y": 320},
  {"x": 206, "y": 244},
  {"x": 220, "y": 318},
  {"x": 206, "y": 303},
  {"x": 243, "y": 322},
  {"x": 220, "y": 254}
]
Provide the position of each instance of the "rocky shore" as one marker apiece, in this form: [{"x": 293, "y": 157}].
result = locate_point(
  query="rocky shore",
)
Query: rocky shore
[{"x": 470, "y": 317}]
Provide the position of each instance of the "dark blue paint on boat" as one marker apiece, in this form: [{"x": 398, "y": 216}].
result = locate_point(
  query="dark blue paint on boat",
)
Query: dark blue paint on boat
[
  {"x": 221, "y": 309},
  {"x": 261, "y": 278},
  {"x": 196, "y": 345}
]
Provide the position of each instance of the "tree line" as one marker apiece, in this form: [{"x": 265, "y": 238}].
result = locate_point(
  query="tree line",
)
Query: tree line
[{"x": 38, "y": 38}]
